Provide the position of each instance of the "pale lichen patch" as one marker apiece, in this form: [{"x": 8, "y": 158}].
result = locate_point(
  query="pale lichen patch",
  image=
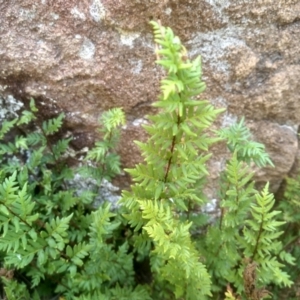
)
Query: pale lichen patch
[
  {"x": 228, "y": 120},
  {"x": 9, "y": 107},
  {"x": 211, "y": 206},
  {"x": 54, "y": 16},
  {"x": 137, "y": 66},
  {"x": 97, "y": 11},
  {"x": 219, "y": 101},
  {"x": 3, "y": 88},
  {"x": 106, "y": 191},
  {"x": 77, "y": 13},
  {"x": 219, "y": 4},
  {"x": 87, "y": 50},
  {"x": 215, "y": 45},
  {"x": 127, "y": 38},
  {"x": 27, "y": 14},
  {"x": 168, "y": 11},
  {"x": 139, "y": 122}
]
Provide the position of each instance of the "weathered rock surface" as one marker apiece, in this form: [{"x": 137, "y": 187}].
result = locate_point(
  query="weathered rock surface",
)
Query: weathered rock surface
[
  {"x": 83, "y": 57},
  {"x": 277, "y": 139}
]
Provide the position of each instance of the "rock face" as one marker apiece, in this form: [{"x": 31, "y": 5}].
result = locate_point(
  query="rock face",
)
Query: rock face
[{"x": 83, "y": 57}]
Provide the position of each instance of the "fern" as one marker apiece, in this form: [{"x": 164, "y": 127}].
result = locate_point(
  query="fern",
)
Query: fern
[
  {"x": 51, "y": 126},
  {"x": 16, "y": 291},
  {"x": 261, "y": 234},
  {"x": 289, "y": 204},
  {"x": 174, "y": 161},
  {"x": 28, "y": 116},
  {"x": 46, "y": 228},
  {"x": 105, "y": 161},
  {"x": 6, "y": 127},
  {"x": 238, "y": 139},
  {"x": 162, "y": 242}
]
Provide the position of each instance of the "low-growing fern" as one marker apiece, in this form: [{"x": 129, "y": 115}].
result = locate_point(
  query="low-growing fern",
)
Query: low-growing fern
[{"x": 48, "y": 231}]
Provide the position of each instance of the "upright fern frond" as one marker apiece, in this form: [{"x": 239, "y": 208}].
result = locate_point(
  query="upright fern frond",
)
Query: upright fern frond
[
  {"x": 238, "y": 139},
  {"x": 105, "y": 163},
  {"x": 53, "y": 125},
  {"x": 175, "y": 155},
  {"x": 261, "y": 235}
]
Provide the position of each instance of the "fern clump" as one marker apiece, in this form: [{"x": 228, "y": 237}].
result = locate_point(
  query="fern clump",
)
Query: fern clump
[
  {"x": 51, "y": 235},
  {"x": 198, "y": 258},
  {"x": 159, "y": 242}
]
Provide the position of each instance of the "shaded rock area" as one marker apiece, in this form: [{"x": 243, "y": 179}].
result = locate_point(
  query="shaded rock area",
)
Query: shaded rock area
[{"x": 84, "y": 57}]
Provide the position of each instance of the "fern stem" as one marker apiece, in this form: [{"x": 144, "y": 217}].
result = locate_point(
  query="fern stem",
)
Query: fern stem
[
  {"x": 24, "y": 221},
  {"x": 222, "y": 208},
  {"x": 258, "y": 238},
  {"x": 189, "y": 209},
  {"x": 172, "y": 151},
  {"x": 221, "y": 218},
  {"x": 102, "y": 164},
  {"x": 57, "y": 164},
  {"x": 170, "y": 159}
]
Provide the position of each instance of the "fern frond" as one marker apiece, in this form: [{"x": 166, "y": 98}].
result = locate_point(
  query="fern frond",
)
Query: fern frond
[
  {"x": 261, "y": 234},
  {"x": 53, "y": 125},
  {"x": 238, "y": 139},
  {"x": 6, "y": 127},
  {"x": 112, "y": 119}
]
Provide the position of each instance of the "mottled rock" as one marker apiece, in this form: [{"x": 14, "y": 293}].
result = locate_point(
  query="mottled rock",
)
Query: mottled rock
[
  {"x": 281, "y": 143},
  {"x": 83, "y": 57}
]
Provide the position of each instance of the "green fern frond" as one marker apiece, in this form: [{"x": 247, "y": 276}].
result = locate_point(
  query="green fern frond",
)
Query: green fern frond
[
  {"x": 238, "y": 139},
  {"x": 261, "y": 234},
  {"x": 53, "y": 125}
]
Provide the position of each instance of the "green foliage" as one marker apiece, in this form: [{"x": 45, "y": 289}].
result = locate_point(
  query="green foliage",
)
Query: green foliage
[
  {"x": 16, "y": 291},
  {"x": 289, "y": 204},
  {"x": 160, "y": 243},
  {"x": 238, "y": 139},
  {"x": 175, "y": 156},
  {"x": 52, "y": 239},
  {"x": 197, "y": 257},
  {"x": 106, "y": 164}
]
